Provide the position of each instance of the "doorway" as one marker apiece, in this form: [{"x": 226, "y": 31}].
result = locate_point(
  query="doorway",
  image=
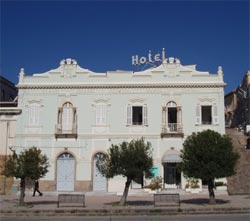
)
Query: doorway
[
  {"x": 172, "y": 177},
  {"x": 99, "y": 181},
  {"x": 65, "y": 172}
]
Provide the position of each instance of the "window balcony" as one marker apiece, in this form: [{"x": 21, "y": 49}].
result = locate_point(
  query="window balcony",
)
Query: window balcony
[
  {"x": 172, "y": 130},
  {"x": 66, "y": 131}
]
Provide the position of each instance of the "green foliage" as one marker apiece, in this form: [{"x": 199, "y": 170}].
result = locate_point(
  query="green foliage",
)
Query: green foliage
[
  {"x": 155, "y": 184},
  {"x": 29, "y": 163},
  {"x": 192, "y": 183},
  {"x": 130, "y": 160},
  {"x": 208, "y": 155}
]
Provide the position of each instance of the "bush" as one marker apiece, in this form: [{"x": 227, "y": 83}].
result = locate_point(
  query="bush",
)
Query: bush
[
  {"x": 155, "y": 184},
  {"x": 192, "y": 183}
]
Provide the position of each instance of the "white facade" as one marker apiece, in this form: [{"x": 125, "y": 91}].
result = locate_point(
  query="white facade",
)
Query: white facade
[{"x": 72, "y": 113}]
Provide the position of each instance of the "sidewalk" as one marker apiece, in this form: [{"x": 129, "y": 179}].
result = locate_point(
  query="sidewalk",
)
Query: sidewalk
[{"x": 106, "y": 204}]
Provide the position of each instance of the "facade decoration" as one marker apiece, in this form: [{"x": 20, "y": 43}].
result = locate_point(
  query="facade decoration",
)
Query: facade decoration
[{"x": 73, "y": 114}]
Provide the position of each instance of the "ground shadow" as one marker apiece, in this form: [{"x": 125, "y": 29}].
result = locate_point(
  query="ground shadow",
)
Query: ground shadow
[
  {"x": 203, "y": 201},
  {"x": 133, "y": 203},
  {"x": 34, "y": 203},
  {"x": 11, "y": 200}
]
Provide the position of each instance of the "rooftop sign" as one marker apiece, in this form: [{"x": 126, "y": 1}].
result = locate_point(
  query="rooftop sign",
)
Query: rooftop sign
[{"x": 136, "y": 60}]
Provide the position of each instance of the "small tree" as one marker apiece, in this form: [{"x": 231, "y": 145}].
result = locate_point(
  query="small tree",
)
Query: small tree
[
  {"x": 131, "y": 160},
  {"x": 208, "y": 155},
  {"x": 29, "y": 163}
]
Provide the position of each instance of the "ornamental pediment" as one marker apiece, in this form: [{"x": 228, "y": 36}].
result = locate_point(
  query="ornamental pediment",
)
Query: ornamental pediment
[{"x": 170, "y": 73}]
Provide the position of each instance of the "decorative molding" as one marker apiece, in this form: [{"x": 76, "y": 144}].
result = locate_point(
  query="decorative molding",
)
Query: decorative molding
[
  {"x": 206, "y": 99},
  {"x": 34, "y": 101},
  {"x": 137, "y": 100},
  {"x": 122, "y": 86}
]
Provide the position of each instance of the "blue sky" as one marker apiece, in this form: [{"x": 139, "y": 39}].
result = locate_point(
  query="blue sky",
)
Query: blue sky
[{"x": 103, "y": 35}]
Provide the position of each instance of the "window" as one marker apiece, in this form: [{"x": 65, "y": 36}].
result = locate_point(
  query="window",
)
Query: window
[
  {"x": 101, "y": 112},
  {"x": 172, "y": 112},
  {"x": 34, "y": 110},
  {"x": 172, "y": 120},
  {"x": 137, "y": 115},
  {"x": 66, "y": 119},
  {"x": 207, "y": 114}
]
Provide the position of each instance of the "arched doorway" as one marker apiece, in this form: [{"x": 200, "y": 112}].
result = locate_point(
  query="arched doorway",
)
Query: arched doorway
[
  {"x": 65, "y": 172},
  {"x": 99, "y": 181}
]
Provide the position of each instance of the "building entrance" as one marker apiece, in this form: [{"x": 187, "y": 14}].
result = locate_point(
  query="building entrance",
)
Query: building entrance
[
  {"x": 65, "y": 172},
  {"x": 99, "y": 181},
  {"x": 172, "y": 177}
]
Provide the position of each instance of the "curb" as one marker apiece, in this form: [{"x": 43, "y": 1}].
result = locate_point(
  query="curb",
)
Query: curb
[{"x": 124, "y": 212}]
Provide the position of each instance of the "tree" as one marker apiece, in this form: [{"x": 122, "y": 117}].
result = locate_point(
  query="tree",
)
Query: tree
[
  {"x": 208, "y": 155},
  {"x": 132, "y": 160},
  {"x": 30, "y": 163}
]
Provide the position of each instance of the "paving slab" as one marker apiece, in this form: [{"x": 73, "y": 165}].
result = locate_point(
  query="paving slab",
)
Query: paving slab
[{"x": 106, "y": 204}]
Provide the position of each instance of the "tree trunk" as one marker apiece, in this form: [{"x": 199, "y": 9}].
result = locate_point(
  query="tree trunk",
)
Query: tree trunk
[
  {"x": 212, "y": 200},
  {"x": 22, "y": 192},
  {"x": 125, "y": 193}
]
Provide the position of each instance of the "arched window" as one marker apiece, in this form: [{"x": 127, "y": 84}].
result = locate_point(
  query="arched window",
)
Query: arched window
[
  {"x": 171, "y": 119},
  {"x": 172, "y": 115},
  {"x": 67, "y": 120},
  {"x": 67, "y": 117}
]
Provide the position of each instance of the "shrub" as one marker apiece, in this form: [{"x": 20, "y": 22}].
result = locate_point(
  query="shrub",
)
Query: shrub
[{"x": 155, "y": 184}]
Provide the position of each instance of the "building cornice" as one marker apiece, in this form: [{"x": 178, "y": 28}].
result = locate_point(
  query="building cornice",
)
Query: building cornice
[
  {"x": 122, "y": 85},
  {"x": 10, "y": 111}
]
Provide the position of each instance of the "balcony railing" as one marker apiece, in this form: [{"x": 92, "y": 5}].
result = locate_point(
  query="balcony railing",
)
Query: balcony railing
[
  {"x": 66, "y": 131},
  {"x": 172, "y": 130}
]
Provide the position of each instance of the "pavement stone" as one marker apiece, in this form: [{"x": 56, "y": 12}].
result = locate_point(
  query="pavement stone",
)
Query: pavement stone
[{"x": 137, "y": 204}]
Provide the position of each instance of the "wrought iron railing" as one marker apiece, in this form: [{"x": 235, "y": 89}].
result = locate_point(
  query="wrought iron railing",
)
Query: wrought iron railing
[{"x": 172, "y": 128}]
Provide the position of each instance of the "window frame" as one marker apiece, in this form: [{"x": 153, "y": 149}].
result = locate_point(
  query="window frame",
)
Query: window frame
[
  {"x": 214, "y": 114},
  {"x": 130, "y": 116},
  {"x": 101, "y": 115},
  {"x": 34, "y": 114}
]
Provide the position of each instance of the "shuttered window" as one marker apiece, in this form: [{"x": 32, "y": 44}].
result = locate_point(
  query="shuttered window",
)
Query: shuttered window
[
  {"x": 34, "y": 112},
  {"x": 129, "y": 115},
  {"x": 101, "y": 113},
  {"x": 145, "y": 115},
  {"x": 215, "y": 114},
  {"x": 198, "y": 115},
  {"x": 137, "y": 115},
  {"x": 206, "y": 114},
  {"x": 67, "y": 117}
]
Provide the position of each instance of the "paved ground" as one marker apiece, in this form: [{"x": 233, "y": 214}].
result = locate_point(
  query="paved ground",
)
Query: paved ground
[{"x": 136, "y": 203}]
